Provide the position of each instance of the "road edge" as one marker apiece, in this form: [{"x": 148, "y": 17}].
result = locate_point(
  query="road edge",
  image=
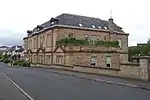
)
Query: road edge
[{"x": 105, "y": 81}]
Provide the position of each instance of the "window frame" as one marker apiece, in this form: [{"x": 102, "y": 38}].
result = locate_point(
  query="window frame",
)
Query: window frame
[
  {"x": 93, "y": 62},
  {"x": 108, "y": 62}
]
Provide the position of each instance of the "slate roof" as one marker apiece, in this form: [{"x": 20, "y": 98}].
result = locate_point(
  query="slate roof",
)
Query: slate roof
[
  {"x": 13, "y": 48},
  {"x": 4, "y": 47},
  {"x": 20, "y": 50},
  {"x": 75, "y": 20}
]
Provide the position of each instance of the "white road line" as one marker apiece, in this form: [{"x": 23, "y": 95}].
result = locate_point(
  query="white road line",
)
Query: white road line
[{"x": 19, "y": 88}]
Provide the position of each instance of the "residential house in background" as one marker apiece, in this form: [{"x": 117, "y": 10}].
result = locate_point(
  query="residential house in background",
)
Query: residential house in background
[
  {"x": 2, "y": 48},
  {"x": 16, "y": 52}
]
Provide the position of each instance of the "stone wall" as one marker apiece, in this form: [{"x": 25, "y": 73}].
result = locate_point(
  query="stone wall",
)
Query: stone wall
[{"x": 134, "y": 71}]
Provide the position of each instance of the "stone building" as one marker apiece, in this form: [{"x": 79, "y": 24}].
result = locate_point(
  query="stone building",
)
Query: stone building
[{"x": 104, "y": 44}]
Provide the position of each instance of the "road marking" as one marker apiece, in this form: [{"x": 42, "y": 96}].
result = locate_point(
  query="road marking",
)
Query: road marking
[{"x": 19, "y": 88}]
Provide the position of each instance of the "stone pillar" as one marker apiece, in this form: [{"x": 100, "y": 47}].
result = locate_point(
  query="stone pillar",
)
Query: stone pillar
[{"x": 144, "y": 64}]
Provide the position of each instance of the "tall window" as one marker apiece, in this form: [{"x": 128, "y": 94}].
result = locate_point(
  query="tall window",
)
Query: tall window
[
  {"x": 48, "y": 59},
  {"x": 35, "y": 58},
  {"x": 35, "y": 43},
  {"x": 26, "y": 45},
  {"x": 59, "y": 59},
  {"x": 41, "y": 42},
  {"x": 48, "y": 40},
  {"x": 86, "y": 36},
  {"x": 94, "y": 60},
  {"x": 120, "y": 43},
  {"x": 108, "y": 61}
]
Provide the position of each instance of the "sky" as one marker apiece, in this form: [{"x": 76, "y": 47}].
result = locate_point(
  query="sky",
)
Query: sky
[{"x": 18, "y": 16}]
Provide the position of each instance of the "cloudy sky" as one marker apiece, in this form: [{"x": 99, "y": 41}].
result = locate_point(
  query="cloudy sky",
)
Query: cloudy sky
[{"x": 17, "y": 16}]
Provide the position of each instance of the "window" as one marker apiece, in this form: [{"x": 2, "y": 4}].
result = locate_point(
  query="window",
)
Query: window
[
  {"x": 108, "y": 61},
  {"x": 98, "y": 37},
  {"x": 80, "y": 25},
  {"x": 94, "y": 60},
  {"x": 86, "y": 37},
  {"x": 99, "y": 27},
  {"x": 35, "y": 58},
  {"x": 120, "y": 43},
  {"x": 94, "y": 38},
  {"x": 93, "y": 26},
  {"x": 52, "y": 23},
  {"x": 48, "y": 40},
  {"x": 59, "y": 59},
  {"x": 30, "y": 44},
  {"x": 71, "y": 35},
  {"x": 105, "y": 38},
  {"x": 35, "y": 43},
  {"x": 105, "y": 27},
  {"x": 41, "y": 59},
  {"x": 41, "y": 42},
  {"x": 48, "y": 59}
]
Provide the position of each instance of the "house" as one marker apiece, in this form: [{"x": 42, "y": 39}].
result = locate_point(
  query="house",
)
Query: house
[
  {"x": 20, "y": 53},
  {"x": 2, "y": 48},
  {"x": 40, "y": 43},
  {"x": 14, "y": 51}
]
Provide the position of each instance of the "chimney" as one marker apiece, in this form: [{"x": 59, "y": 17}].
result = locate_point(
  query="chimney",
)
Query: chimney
[{"x": 111, "y": 24}]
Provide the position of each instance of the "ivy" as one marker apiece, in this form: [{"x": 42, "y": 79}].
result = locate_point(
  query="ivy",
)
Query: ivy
[{"x": 74, "y": 41}]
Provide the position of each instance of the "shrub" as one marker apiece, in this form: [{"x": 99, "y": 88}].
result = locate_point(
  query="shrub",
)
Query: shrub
[
  {"x": 15, "y": 63},
  {"x": 28, "y": 64},
  {"x": 2, "y": 60},
  {"x": 6, "y": 61},
  {"x": 23, "y": 64}
]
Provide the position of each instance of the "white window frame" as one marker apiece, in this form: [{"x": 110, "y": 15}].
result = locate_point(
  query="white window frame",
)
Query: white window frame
[
  {"x": 120, "y": 42},
  {"x": 108, "y": 61},
  {"x": 93, "y": 60}
]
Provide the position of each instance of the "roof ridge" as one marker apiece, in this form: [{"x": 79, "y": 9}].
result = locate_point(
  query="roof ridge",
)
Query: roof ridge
[{"x": 78, "y": 15}]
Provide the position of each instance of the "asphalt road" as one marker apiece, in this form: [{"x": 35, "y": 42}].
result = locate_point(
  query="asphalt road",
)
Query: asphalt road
[{"x": 41, "y": 84}]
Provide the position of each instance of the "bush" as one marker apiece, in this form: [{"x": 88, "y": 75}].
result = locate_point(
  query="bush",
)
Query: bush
[
  {"x": 24, "y": 64},
  {"x": 6, "y": 61},
  {"x": 2, "y": 60},
  {"x": 15, "y": 63},
  {"x": 28, "y": 64}
]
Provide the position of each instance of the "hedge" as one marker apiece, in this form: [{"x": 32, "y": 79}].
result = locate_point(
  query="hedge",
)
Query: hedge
[{"x": 74, "y": 41}]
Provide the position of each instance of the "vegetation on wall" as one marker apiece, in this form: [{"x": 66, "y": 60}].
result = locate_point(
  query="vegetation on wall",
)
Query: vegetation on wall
[
  {"x": 74, "y": 41},
  {"x": 142, "y": 50}
]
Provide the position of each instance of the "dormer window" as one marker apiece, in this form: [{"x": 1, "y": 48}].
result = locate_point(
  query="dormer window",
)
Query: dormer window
[
  {"x": 99, "y": 27},
  {"x": 52, "y": 23},
  {"x": 80, "y": 25},
  {"x": 105, "y": 27},
  {"x": 93, "y": 26}
]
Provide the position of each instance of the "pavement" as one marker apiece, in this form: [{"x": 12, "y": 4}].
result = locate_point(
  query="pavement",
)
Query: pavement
[
  {"x": 107, "y": 79},
  {"x": 43, "y": 84}
]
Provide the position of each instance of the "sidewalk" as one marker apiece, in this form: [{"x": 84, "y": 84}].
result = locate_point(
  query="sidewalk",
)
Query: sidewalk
[{"x": 106, "y": 79}]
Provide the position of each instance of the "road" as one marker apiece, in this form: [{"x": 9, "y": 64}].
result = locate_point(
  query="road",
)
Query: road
[{"x": 41, "y": 84}]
